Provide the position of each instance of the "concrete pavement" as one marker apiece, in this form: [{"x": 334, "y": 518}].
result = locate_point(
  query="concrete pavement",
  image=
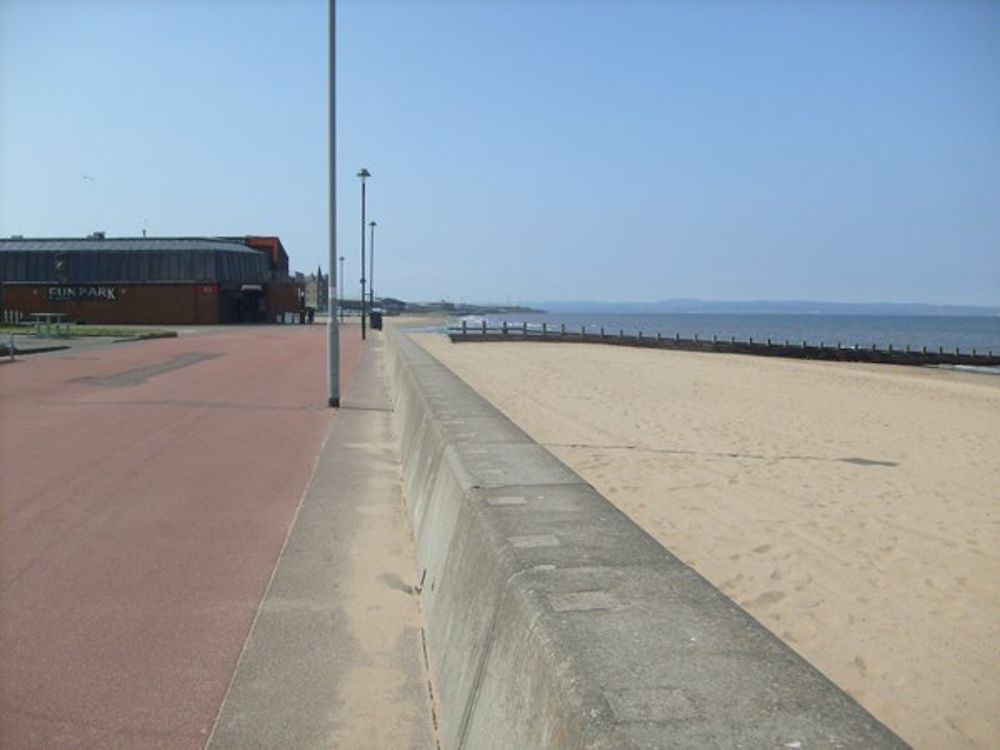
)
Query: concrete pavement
[{"x": 336, "y": 658}]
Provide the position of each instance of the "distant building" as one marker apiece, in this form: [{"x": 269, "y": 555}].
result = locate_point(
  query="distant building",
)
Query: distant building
[
  {"x": 392, "y": 306},
  {"x": 165, "y": 280},
  {"x": 317, "y": 288}
]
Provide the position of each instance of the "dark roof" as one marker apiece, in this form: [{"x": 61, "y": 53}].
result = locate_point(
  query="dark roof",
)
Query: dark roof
[
  {"x": 131, "y": 244},
  {"x": 133, "y": 260}
]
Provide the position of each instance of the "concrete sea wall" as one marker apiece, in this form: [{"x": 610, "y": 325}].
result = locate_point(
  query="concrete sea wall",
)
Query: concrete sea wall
[{"x": 553, "y": 621}]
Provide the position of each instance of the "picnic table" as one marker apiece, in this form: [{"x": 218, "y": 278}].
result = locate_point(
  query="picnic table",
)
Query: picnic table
[{"x": 48, "y": 320}]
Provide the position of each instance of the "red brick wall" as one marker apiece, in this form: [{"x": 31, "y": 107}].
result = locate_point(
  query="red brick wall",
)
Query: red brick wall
[
  {"x": 283, "y": 297},
  {"x": 177, "y": 304}
]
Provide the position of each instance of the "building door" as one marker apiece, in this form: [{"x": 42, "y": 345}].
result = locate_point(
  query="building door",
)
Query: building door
[{"x": 252, "y": 307}]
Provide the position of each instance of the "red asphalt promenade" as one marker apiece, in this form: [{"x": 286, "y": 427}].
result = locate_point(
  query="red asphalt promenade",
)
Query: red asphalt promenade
[{"x": 145, "y": 493}]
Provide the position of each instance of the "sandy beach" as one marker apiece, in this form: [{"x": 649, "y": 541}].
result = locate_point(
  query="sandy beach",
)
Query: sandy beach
[{"x": 854, "y": 510}]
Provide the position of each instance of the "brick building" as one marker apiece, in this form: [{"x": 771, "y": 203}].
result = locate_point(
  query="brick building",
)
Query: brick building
[{"x": 165, "y": 280}]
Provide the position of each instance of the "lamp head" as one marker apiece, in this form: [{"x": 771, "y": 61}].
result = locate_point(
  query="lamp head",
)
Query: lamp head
[{"x": 364, "y": 174}]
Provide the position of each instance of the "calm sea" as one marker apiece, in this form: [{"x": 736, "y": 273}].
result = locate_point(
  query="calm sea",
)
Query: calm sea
[{"x": 966, "y": 333}]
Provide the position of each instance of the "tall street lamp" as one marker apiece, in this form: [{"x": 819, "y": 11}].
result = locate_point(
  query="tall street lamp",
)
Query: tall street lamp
[
  {"x": 363, "y": 174},
  {"x": 371, "y": 267},
  {"x": 333, "y": 302},
  {"x": 341, "y": 277}
]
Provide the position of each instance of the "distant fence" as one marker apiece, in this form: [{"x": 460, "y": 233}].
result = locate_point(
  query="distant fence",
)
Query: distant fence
[{"x": 767, "y": 348}]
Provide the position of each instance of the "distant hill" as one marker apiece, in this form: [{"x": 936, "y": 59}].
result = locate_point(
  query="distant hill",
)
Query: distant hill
[
  {"x": 759, "y": 307},
  {"x": 462, "y": 308}
]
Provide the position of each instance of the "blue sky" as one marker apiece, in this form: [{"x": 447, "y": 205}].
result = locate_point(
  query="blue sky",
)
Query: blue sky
[{"x": 561, "y": 149}]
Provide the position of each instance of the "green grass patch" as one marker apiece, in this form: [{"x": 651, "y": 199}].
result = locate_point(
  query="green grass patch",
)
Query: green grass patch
[{"x": 116, "y": 332}]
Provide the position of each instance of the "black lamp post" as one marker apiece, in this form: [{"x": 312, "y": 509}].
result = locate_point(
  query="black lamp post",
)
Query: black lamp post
[
  {"x": 363, "y": 174},
  {"x": 371, "y": 267},
  {"x": 341, "y": 278}
]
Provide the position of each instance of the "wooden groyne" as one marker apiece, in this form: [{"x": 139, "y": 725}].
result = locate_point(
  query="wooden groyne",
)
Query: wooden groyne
[{"x": 839, "y": 352}]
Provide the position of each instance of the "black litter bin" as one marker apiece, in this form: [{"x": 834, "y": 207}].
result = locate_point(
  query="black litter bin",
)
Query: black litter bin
[{"x": 376, "y": 319}]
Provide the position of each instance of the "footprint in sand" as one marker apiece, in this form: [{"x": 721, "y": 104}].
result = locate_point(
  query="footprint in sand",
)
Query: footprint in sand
[
  {"x": 802, "y": 579},
  {"x": 729, "y": 583},
  {"x": 766, "y": 599}
]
